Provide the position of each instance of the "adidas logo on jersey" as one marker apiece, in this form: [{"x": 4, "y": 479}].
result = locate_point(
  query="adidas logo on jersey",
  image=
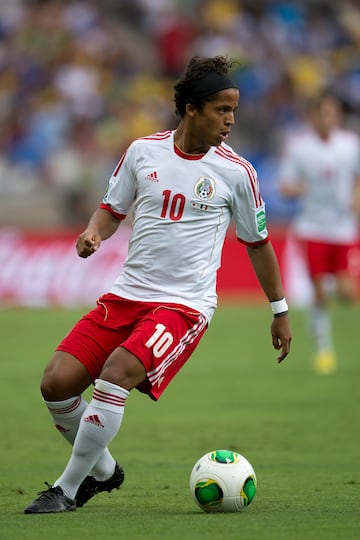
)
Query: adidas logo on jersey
[{"x": 152, "y": 176}]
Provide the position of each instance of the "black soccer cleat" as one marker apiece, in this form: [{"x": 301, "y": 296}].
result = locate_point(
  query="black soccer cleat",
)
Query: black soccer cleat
[
  {"x": 51, "y": 500},
  {"x": 90, "y": 486}
]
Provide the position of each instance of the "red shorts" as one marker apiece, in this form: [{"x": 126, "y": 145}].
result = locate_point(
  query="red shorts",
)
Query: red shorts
[
  {"x": 324, "y": 258},
  {"x": 161, "y": 336}
]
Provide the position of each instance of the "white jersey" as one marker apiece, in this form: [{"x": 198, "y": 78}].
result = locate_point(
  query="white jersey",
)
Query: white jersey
[
  {"x": 329, "y": 169},
  {"x": 183, "y": 205}
]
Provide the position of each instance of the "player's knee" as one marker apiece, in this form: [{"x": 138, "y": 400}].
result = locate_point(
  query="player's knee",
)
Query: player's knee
[
  {"x": 64, "y": 377},
  {"x": 51, "y": 386},
  {"x": 124, "y": 369},
  {"x": 48, "y": 388},
  {"x": 347, "y": 296},
  {"x": 346, "y": 290}
]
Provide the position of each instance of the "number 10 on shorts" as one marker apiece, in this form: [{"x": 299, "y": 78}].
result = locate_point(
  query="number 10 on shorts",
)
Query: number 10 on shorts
[{"x": 160, "y": 341}]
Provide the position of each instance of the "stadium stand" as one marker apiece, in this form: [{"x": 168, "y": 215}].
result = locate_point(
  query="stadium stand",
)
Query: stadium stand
[{"x": 79, "y": 80}]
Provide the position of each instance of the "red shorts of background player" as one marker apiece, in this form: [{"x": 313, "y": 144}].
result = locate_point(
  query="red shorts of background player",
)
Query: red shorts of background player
[
  {"x": 324, "y": 258},
  {"x": 161, "y": 336}
]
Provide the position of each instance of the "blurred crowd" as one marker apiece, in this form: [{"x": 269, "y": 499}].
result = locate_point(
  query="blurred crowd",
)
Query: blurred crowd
[{"x": 80, "y": 79}]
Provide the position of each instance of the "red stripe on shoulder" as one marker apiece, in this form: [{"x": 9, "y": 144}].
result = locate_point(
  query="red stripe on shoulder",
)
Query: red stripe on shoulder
[
  {"x": 107, "y": 207},
  {"x": 156, "y": 137},
  {"x": 229, "y": 154},
  {"x": 161, "y": 136},
  {"x": 118, "y": 166}
]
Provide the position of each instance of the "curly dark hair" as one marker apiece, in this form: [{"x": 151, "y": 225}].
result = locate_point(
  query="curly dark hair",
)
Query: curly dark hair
[
  {"x": 326, "y": 94},
  {"x": 196, "y": 68}
]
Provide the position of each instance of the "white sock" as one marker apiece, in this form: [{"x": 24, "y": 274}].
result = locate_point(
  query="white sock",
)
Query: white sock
[
  {"x": 66, "y": 415},
  {"x": 321, "y": 328},
  {"x": 99, "y": 424}
]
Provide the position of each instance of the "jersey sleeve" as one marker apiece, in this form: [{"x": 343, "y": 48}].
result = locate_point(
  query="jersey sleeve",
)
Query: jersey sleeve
[
  {"x": 249, "y": 209},
  {"x": 121, "y": 191}
]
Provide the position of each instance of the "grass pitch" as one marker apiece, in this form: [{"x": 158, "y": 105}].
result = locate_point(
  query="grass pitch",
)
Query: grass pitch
[{"x": 299, "y": 430}]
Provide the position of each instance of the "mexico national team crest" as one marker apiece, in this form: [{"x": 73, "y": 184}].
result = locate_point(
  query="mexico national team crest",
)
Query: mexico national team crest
[{"x": 205, "y": 188}]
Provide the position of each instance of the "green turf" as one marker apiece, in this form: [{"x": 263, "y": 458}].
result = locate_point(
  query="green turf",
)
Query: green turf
[{"x": 298, "y": 429}]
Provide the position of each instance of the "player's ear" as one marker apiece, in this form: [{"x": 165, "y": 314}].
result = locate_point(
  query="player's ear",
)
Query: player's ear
[{"x": 191, "y": 110}]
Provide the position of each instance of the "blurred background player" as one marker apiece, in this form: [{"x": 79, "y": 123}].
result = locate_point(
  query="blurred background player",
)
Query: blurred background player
[{"x": 321, "y": 166}]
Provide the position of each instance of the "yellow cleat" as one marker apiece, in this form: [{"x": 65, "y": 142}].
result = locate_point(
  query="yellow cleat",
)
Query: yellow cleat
[{"x": 325, "y": 362}]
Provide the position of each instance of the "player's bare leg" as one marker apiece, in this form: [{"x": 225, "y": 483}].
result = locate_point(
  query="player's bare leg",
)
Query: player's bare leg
[
  {"x": 346, "y": 288},
  {"x": 99, "y": 424},
  {"x": 324, "y": 359},
  {"x": 65, "y": 376}
]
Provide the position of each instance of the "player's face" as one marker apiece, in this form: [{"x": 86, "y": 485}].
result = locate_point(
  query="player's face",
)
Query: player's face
[
  {"x": 327, "y": 116},
  {"x": 212, "y": 125}
]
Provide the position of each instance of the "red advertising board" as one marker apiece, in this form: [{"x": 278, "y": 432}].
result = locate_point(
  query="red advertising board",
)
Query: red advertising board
[{"x": 42, "y": 268}]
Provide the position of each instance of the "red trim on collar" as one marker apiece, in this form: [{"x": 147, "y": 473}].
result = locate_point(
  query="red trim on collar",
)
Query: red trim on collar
[{"x": 184, "y": 155}]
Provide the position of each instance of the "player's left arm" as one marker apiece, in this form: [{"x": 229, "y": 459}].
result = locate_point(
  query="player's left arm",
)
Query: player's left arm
[
  {"x": 355, "y": 199},
  {"x": 266, "y": 267},
  {"x": 355, "y": 204}
]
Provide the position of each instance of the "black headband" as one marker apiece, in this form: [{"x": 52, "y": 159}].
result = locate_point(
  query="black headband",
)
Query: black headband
[{"x": 210, "y": 83}]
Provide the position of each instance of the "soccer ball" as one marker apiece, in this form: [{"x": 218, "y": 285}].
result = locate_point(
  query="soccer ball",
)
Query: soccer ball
[{"x": 223, "y": 481}]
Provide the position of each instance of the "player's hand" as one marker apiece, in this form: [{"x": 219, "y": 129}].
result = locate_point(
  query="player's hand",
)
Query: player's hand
[
  {"x": 87, "y": 243},
  {"x": 281, "y": 336}
]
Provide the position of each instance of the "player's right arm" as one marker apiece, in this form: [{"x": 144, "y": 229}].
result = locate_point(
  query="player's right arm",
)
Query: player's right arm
[
  {"x": 101, "y": 226},
  {"x": 114, "y": 207},
  {"x": 292, "y": 185},
  {"x": 293, "y": 190},
  {"x": 355, "y": 199}
]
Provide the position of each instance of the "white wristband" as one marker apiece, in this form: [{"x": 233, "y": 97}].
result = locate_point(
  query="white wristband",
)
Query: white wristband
[{"x": 279, "y": 307}]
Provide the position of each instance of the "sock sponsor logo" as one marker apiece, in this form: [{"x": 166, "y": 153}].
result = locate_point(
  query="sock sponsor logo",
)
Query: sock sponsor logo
[{"x": 94, "y": 419}]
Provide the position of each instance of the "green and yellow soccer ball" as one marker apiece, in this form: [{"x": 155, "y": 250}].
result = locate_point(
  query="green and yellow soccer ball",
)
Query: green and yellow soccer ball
[{"x": 223, "y": 481}]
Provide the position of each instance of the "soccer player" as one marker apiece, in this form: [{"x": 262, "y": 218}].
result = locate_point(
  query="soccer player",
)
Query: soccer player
[
  {"x": 321, "y": 166},
  {"x": 186, "y": 185}
]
